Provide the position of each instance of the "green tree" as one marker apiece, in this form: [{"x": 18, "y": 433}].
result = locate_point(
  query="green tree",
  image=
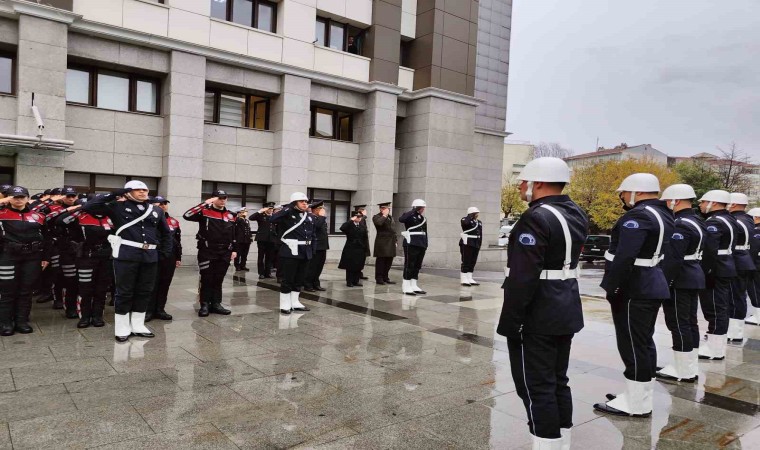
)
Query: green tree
[
  {"x": 511, "y": 203},
  {"x": 700, "y": 175}
]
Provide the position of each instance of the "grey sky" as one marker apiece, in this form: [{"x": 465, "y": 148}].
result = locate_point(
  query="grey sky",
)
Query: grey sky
[{"x": 682, "y": 75}]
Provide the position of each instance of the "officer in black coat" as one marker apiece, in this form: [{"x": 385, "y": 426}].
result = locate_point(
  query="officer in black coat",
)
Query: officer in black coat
[
  {"x": 753, "y": 288},
  {"x": 142, "y": 234},
  {"x": 244, "y": 238},
  {"x": 217, "y": 246},
  {"x": 720, "y": 270},
  {"x": 542, "y": 306},
  {"x": 297, "y": 233},
  {"x": 470, "y": 241},
  {"x": 265, "y": 240},
  {"x": 386, "y": 242},
  {"x": 52, "y": 279},
  {"x": 167, "y": 265},
  {"x": 415, "y": 246},
  {"x": 745, "y": 267},
  {"x": 683, "y": 270},
  {"x": 353, "y": 257},
  {"x": 636, "y": 287},
  {"x": 362, "y": 209},
  {"x": 321, "y": 245}
]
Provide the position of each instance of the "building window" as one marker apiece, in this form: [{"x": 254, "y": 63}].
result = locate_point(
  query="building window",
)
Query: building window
[
  {"x": 95, "y": 183},
  {"x": 237, "y": 110},
  {"x": 331, "y": 34},
  {"x": 108, "y": 89},
  {"x": 337, "y": 206},
  {"x": 7, "y": 71},
  {"x": 261, "y": 14},
  {"x": 6, "y": 175},
  {"x": 331, "y": 124},
  {"x": 251, "y": 196}
]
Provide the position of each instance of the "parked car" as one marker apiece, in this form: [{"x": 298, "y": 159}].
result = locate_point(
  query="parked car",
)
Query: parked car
[
  {"x": 504, "y": 234},
  {"x": 595, "y": 247}
]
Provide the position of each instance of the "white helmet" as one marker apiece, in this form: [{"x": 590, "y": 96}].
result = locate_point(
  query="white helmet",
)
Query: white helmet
[
  {"x": 135, "y": 184},
  {"x": 715, "y": 196},
  {"x": 298, "y": 196},
  {"x": 547, "y": 169},
  {"x": 754, "y": 212},
  {"x": 639, "y": 182},
  {"x": 472, "y": 210},
  {"x": 419, "y": 203},
  {"x": 739, "y": 199},
  {"x": 678, "y": 192}
]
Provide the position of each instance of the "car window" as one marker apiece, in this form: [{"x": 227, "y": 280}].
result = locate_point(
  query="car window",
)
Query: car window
[{"x": 598, "y": 240}]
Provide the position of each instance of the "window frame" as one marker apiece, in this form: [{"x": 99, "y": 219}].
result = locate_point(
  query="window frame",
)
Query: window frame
[
  {"x": 11, "y": 171},
  {"x": 93, "y": 188},
  {"x": 243, "y": 197},
  {"x": 336, "y": 117},
  {"x": 334, "y": 227},
  {"x": 255, "y": 11},
  {"x": 14, "y": 62},
  {"x": 246, "y": 115},
  {"x": 328, "y": 26},
  {"x": 132, "y": 90}
]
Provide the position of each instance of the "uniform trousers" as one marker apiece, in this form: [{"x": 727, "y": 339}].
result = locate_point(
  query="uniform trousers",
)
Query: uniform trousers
[
  {"x": 66, "y": 281},
  {"x": 634, "y": 321},
  {"x": 539, "y": 369},
  {"x": 353, "y": 276},
  {"x": 213, "y": 268},
  {"x": 413, "y": 257},
  {"x": 47, "y": 279},
  {"x": 737, "y": 307},
  {"x": 18, "y": 278},
  {"x": 242, "y": 255},
  {"x": 265, "y": 259},
  {"x": 714, "y": 301},
  {"x": 469, "y": 258},
  {"x": 314, "y": 269},
  {"x": 753, "y": 288},
  {"x": 166, "y": 269},
  {"x": 383, "y": 267},
  {"x": 293, "y": 273},
  {"x": 94, "y": 280},
  {"x": 134, "y": 283},
  {"x": 681, "y": 318}
]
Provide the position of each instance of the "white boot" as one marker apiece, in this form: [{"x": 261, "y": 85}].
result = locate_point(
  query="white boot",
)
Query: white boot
[
  {"x": 634, "y": 399},
  {"x": 285, "y": 305},
  {"x": 464, "y": 280},
  {"x": 712, "y": 348},
  {"x": 137, "y": 322},
  {"x": 680, "y": 370},
  {"x": 546, "y": 444},
  {"x": 295, "y": 304},
  {"x": 721, "y": 345},
  {"x": 752, "y": 317},
  {"x": 121, "y": 326},
  {"x": 406, "y": 287},
  {"x": 416, "y": 288},
  {"x": 694, "y": 364},
  {"x": 735, "y": 330},
  {"x": 472, "y": 280},
  {"x": 567, "y": 434},
  {"x": 649, "y": 396}
]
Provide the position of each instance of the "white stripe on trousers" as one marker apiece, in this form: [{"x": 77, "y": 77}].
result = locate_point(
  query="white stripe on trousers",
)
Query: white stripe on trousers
[
  {"x": 633, "y": 349},
  {"x": 525, "y": 381}
]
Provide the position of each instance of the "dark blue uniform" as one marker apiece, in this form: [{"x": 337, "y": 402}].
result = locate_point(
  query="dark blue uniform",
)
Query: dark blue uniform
[
  {"x": 297, "y": 233},
  {"x": 317, "y": 262},
  {"x": 265, "y": 243},
  {"x": 470, "y": 249},
  {"x": 753, "y": 288},
  {"x": 745, "y": 265},
  {"x": 416, "y": 246},
  {"x": 636, "y": 285},
  {"x": 720, "y": 269},
  {"x": 542, "y": 311}
]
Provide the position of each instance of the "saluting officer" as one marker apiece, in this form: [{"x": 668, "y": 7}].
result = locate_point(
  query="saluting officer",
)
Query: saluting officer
[
  {"x": 265, "y": 240},
  {"x": 297, "y": 228},
  {"x": 66, "y": 281},
  {"x": 720, "y": 270},
  {"x": 683, "y": 269},
  {"x": 50, "y": 204},
  {"x": 353, "y": 256},
  {"x": 322, "y": 244},
  {"x": 22, "y": 258},
  {"x": 636, "y": 287},
  {"x": 362, "y": 209},
  {"x": 244, "y": 238},
  {"x": 753, "y": 288},
  {"x": 470, "y": 241},
  {"x": 141, "y": 234},
  {"x": 216, "y": 248},
  {"x": 167, "y": 265},
  {"x": 386, "y": 242},
  {"x": 745, "y": 266},
  {"x": 542, "y": 306},
  {"x": 415, "y": 246}
]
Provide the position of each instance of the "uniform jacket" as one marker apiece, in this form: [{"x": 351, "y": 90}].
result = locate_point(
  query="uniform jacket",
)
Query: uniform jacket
[
  {"x": 151, "y": 230},
  {"x": 742, "y": 258},
  {"x": 89, "y": 231},
  {"x": 353, "y": 255},
  {"x": 216, "y": 229},
  {"x": 755, "y": 246},
  {"x": 412, "y": 219},
  {"x": 685, "y": 241},
  {"x": 50, "y": 233},
  {"x": 468, "y": 223},
  {"x": 265, "y": 233},
  {"x": 635, "y": 235},
  {"x": 287, "y": 218},
  {"x": 322, "y": 232},
  {"x": 537, "y": 243},
  {"x": 716, "y": 265},
  {"x": 243, "y": 231},
  {"x": 22, "y": 228},
  {"x": 363, "y": 224},
  {"x": 386, "y": 238},
  {"x": 176, "y": 234}
]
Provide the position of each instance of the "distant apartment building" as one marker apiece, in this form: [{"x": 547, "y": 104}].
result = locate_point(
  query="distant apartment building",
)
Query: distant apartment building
[
  {"x": 723, "y": 165},
  {"x": 619, "y": 153},
  {"x": 516, "y": 155}
]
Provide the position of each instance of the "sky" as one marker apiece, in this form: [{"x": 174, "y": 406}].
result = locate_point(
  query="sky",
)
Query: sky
[{"x": 682, "y": 75}]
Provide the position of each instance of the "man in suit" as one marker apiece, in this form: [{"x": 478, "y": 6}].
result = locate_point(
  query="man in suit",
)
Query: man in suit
[{"x": 386, "y": 243}]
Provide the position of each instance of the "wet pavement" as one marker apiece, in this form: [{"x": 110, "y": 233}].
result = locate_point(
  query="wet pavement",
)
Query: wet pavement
[{"x": 366, "y": 368}]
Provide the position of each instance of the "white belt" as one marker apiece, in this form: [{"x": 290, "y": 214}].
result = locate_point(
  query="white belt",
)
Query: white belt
[
  {"x": 694, "y": 257},
  {"x": 415, "y": 233},
  {"x": 741, "y": 247},
  {"x": 641, "y": 262},
  {"x": 557, "y": 274},
  {"x": 725, "y": 251},
  {"x": 138, "y": 245},
  {"x": 294, "y": 241}
]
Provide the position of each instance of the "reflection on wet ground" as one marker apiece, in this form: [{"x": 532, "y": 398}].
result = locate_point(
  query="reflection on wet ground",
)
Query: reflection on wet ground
[{"x": 366, "y": 368}]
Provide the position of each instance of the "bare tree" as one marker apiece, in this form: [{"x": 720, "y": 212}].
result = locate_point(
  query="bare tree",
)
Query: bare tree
[
  {"x": 734, "y": 168},
  {"x": 551, "y": 149}
]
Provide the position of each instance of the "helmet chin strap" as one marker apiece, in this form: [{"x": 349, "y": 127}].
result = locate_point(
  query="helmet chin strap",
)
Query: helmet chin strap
[
  {"x": 632, "y": 201},
  {"x": 529, "y": 192},
  {"x": 673, "y": 204},
  {"x": 709, "y": 207}
]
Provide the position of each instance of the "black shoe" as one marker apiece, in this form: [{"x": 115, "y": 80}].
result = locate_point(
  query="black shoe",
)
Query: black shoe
[
  {"x": 605, "y": 408},
  {"x": 735, "y": 341},
  {"x": 71, "y": 314},
  {"x": 320, "y": 289},
  {"x": 380, "y": 282},
  {"x": 24, "y": 328},
  {"x": 363, "y": 278},
  {"x": 304, "y": 309},
  {"x": 203, "y": 311},
  {"x": 57, "y": 304},
  {"x": 663, "y": 376},
  {"x": 121, "y": 338},
  {"x": 6, "y": 329},
  {"x": 217, "y": 308},
  {"x": 263, "y": 277},
  {"x": 97, "y": 321},
  {"x": 84, "y": 322},
  {"x": 163, "y": 315},
  {"x": 349, "y": 285},
  {"x": 148, "y": 317},
  {"x": 389, "y": 282},
  {"x": 420, "y": 292},
  {"x": 309, "y": 289},
  {"x": 358, "y": 285},
  {"x": 145, "y": 335},
  {"x": 285, "y": 311}
]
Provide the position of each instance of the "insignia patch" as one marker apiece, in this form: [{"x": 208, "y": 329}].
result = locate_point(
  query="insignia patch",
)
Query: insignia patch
[
  {"x": 757, "y": 236},
  {"x": 631, "y": 224},
  {"x": 35, "y": 216},
  {"x": 677, "y": 236},
  {"x": 155, "y": 214},
  {"x": 712, "y": 228},
  {"x": 140, "y": 207},
  {"x": 127, "y": 210},
  {"x": 527, "y": 239}
]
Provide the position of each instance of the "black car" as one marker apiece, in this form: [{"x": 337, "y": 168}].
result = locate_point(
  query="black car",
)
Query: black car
[{"x": 595, "y": 247}]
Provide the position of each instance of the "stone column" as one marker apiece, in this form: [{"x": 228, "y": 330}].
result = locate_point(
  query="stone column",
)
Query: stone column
[
  {"x": 290, "y": 121},
  {"x": 42, "y": 49},
  {"x": 182, "y": 103}
]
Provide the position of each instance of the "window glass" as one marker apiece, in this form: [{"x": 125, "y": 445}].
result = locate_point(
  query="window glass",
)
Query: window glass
[
  {"x": 255, "y": 190},
  {"x": 147, "y": 96},
  {"x": 242, "y": 12},
  {"x": 266, "y": 17},
  {"x": 341, "y": 215},
  {"x": 321, "y": 194},
  {"x": 76, "y": 179},
  {"x": 113, "y": 91},
  {"x": 257, "y": 114},
  {"x": 207, "y": 187},
  {"x": 342, "y": 195},
  {"x": 152, "y": 183},
  {"x": 230, "y": 188},
  {"x": 208, "y": 108},
  {"x": 110, "y": 181},
  {"x": 344, "y": 126},
  {"x": 337, "y": 37},
  {"x": 6, "y": 75},
  {"x": 77, "y": 86},
  {"x": 328, "y": 216},
  {"x": 234, "y": 203},
  {"x": 323, "y": 123},
  {"x": 321, "y": 33},
  {"x": 219, "y": 9},
  {"x": 231, "y": 109}
]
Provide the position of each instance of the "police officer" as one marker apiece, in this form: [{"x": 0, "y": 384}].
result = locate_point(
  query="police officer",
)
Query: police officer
[
  {"x": 50, "y": 204},
  {"x": 469, "y": 245},
  {"x": 386, "y": 242},
  {"x": 636, "y": 287},
  {"x": 22, "y": 258},
  {"x": 166, "y": 266},
  {"x": 745, "y": 266},
  {"x": 217, "y": 246},
  {"x": 720, "y": 270},
  {"x": 353, "y": 257},
  {"x": 66, "y": 280},
  {"x": 244, "y": 238},
  {"x": 264, "y": 240},
  {"x": 141, "y": 234},
  {"x": 322, "y": 244},
  {"x": 753, "y": 288},
  {"x": 415, "y": 246},
  {"x": 542, "y": 306},
  {"x": 362, "y": 209},
  {"x": 683, "y": 269},
  {"x": 296, "y": 226}
]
